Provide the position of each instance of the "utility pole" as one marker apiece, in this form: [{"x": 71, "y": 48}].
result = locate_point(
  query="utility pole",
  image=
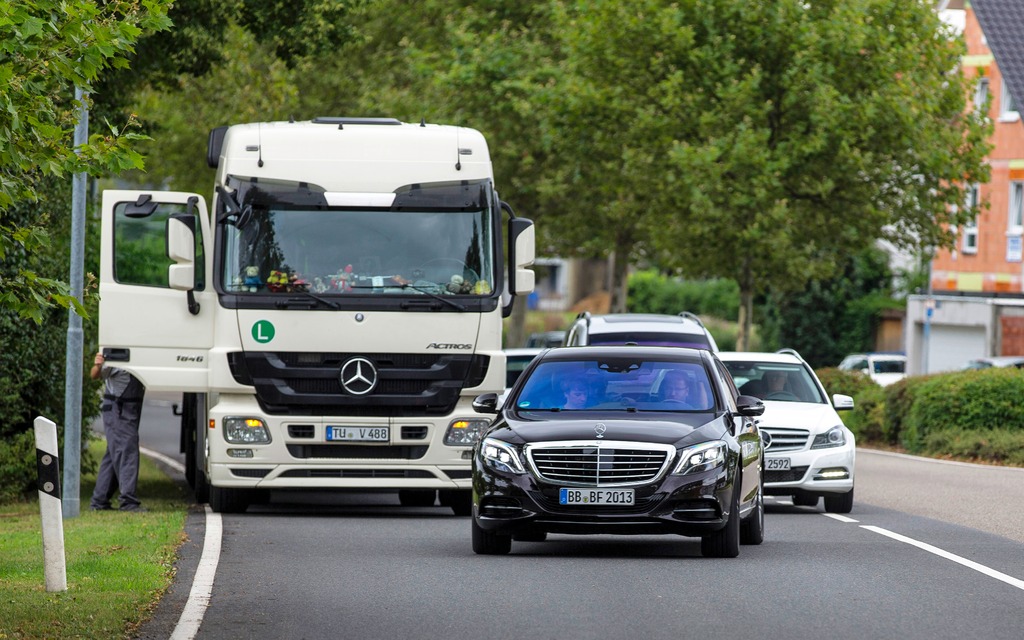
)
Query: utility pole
[{"x": 74, "y": 355}]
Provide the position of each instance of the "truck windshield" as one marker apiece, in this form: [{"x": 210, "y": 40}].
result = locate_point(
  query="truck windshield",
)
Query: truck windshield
[{"x": 344, "y": 251}]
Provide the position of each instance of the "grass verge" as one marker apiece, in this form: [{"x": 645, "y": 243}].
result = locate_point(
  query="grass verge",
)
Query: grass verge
[{"x": 118, "y": 564}]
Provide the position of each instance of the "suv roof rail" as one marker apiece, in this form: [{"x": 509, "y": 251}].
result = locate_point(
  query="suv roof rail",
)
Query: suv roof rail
[
  {"x": 691, "y": 316},
  {"x": 792, "y": 352},
  {"x": 584, "y": 315}
]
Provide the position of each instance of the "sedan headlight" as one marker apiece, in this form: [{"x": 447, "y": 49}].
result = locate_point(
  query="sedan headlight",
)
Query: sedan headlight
[
  {"x": 464, "y": 433},
  {"x": 500, "y": 456},
  {"x": 701, "y": 457},
  {"x": 246, "y": 431},
  {"x": 834, "y": 437}
]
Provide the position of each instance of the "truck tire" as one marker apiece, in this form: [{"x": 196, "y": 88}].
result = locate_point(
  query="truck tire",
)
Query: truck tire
[
  {"x": 460, "y": 501},
  {"x": 224, "y": 500},
  {"x": 417, "y": 497}
]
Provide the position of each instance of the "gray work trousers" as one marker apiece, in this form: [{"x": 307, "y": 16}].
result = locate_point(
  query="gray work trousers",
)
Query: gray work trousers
[{"x": 119, "y": 469}]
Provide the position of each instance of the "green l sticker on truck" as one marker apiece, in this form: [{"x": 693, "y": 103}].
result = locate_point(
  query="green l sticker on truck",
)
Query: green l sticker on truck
[{"x": 262, "y": 331}]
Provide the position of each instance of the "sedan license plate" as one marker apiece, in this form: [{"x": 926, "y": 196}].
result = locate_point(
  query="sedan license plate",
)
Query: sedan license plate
[
  {"x": 622, "y": 497},
  {"x": 776, "y": 464},
  {"x": 358, "y": 434}
]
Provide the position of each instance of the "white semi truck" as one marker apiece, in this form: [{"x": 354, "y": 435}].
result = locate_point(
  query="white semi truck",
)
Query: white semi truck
[{"x": 330, "y": 319}]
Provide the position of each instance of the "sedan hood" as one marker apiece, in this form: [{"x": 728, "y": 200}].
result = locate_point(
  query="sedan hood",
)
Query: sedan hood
[
  {"x": 799, "y": 415},
  {"x": 642, "y": 430}
]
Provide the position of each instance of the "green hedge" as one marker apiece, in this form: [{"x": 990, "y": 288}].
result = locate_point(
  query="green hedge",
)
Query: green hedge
[
  {"x": 969, "y": 401},
  {"x": 975, "y": 415}
]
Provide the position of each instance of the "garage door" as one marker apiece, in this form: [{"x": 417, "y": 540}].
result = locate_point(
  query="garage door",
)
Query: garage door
[{"x": 952, "y": 346}]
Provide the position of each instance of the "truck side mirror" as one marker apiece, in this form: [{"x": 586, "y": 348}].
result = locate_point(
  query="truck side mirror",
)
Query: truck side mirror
[
  {"x": 521, "y": 253},
  {"x": 181, "y": 248}
]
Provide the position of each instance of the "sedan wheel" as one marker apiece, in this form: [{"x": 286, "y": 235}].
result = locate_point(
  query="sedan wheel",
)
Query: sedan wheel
[
  {"x": 752, "y": 529},
  {"x": 488, "y": 543},
  {"x": 725, "y": 543},
  {"x": 839, "y": 503}
]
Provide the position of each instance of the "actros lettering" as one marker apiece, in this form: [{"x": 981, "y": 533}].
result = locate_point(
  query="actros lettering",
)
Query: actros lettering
[{"x": 448, "y": 345}]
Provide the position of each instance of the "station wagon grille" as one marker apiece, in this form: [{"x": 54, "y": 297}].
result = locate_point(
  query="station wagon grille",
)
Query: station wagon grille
[
  {"x": 787, "y": 439},
  {"x": 600, "y": 464}
]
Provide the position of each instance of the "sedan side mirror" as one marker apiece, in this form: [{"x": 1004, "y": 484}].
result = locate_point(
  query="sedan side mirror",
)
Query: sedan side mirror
[
  {"x": 749, "y": 406},
  {"x": 486, "y": 403},
  {"x": 841, "y": 402}
]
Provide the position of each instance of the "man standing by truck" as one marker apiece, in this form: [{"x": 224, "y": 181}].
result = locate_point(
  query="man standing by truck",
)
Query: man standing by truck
[{"x": 121, "y": 410}]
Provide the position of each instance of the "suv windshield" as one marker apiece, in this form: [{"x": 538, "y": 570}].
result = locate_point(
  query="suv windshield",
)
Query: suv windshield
[
  {"x": 617, "y": 384},
  {"x": 285, "y": 237}
]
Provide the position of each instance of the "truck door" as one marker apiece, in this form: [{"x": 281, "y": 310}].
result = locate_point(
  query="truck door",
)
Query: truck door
[{"x": 157, "y": 305}]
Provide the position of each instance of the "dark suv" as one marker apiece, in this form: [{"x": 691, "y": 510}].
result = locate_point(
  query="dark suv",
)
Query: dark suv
[{"x": 643, "y": 329}]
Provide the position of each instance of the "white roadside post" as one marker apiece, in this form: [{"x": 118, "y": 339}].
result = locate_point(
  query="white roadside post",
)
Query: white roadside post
[{"x": 48, "y": 466}]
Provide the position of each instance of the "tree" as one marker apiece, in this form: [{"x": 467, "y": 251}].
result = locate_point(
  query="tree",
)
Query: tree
[
  {"x": 48, "y": 47},
  {"x": 761, "y": 142}
]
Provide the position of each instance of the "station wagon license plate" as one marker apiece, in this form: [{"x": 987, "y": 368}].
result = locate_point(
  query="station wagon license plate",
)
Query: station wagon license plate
[
  {"x": 358, "y": 434},
  {"x": 776, "y": 464},
  {"x": 619, "y": 497}
]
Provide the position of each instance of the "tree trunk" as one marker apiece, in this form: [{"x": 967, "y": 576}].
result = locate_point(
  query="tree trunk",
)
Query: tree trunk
[
  {"x": 620, "y": 276},
  {"x": 745, "y": 319}
]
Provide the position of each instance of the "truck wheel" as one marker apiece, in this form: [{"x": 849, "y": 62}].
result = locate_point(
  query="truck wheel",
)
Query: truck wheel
[
  {"x": 417, "y": 497},
  {"x": 201, "y": 488},
  {"x": 459, "y": 500},
  {"x": 228, "y": 500}
]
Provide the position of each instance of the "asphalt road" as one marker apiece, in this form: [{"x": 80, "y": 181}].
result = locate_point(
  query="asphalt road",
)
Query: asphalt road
[{"x": 932, "y": 550}]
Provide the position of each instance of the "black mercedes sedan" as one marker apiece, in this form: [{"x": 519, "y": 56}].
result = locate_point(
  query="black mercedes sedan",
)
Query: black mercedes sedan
[{"x": 620, "y": 440}]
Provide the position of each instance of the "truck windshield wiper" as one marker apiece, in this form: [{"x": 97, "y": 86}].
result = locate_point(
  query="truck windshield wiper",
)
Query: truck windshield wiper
[
  {"x": 290, "y": 301},
  {"x": 433, "y": 295}
]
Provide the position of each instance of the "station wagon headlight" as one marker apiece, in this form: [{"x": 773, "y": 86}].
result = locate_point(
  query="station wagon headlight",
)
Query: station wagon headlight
[
  {"x": 500, "y": 456},
  {"x": 834, "y": 437},
  {"x": 464, "y": 433},
  {"x": 701, "y": 457},
  {"x": 246, "y": 431}
]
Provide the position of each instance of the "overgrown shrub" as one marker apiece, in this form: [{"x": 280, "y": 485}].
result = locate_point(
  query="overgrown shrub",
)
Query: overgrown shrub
[
  {"x": 652, "y": 292},
  {"x": 969, "y": 401},
  {"x": 1001, "y": 445},
  {"x": 32, "y": 357},
  {"x": 899, "y": 398}
]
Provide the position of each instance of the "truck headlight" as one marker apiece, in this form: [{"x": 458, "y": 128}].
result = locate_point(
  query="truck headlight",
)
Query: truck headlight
[
  {"x": 246, "y": 431},
  {"x": 500, "y": 456},
  {"x": 701, "y": 457},
  {"x": 464, "y": 432},
  {"x": 834, "y": 437}
]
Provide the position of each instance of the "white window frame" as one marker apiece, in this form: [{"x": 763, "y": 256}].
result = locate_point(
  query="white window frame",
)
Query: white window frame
[
  {"x": 1007, "y": 109},
  {"x": 1015, "y": 211},
  {"x": 981, "y": 93},
  {"x": 969, "y": 242}
]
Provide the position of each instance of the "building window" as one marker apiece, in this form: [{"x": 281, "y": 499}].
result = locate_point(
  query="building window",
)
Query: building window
[
  {"x": 1016, "y": 213},
  {"x": 981, "y": 94},
  {"x": 970, "y": 237},
  {"x": 1007, "y": 105}
]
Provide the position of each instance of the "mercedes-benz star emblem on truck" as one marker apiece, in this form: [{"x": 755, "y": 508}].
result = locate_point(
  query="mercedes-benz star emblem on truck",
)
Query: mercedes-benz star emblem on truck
[{"x": 358, "y": 376}]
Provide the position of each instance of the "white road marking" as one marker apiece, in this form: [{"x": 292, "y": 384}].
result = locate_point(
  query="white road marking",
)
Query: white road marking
[
  {"x": 836, "y": 516},
  {"x": 970, "y": 564},
  {"x": 202, "y": 583}
]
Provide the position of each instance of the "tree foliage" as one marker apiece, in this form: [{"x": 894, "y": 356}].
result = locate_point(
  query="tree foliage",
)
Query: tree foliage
[
  {"x": 47, "y": 48},
  {"x": 761, "y": 142}
]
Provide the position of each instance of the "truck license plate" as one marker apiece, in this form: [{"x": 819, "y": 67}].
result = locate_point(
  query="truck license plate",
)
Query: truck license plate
[
  {"x": 622, "y": 497},
  {"x": 776, "y": 464},
  {"x": 358, "y": 434}
]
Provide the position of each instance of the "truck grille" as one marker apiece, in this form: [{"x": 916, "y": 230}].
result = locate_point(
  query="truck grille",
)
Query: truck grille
[
  {"x": 787, "y": 439},
  {"x": 600, "y": 464},
  {"x": 307, "y": 383}
]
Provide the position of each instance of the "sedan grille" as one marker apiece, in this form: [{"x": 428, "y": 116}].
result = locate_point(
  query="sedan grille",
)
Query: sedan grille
[
  {"x": 600, "y": 464},
  {"x": 786, "y": 439}
]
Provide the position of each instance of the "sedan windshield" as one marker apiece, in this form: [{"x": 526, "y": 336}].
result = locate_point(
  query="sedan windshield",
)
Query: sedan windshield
[{"x": 617, "y": 384}]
